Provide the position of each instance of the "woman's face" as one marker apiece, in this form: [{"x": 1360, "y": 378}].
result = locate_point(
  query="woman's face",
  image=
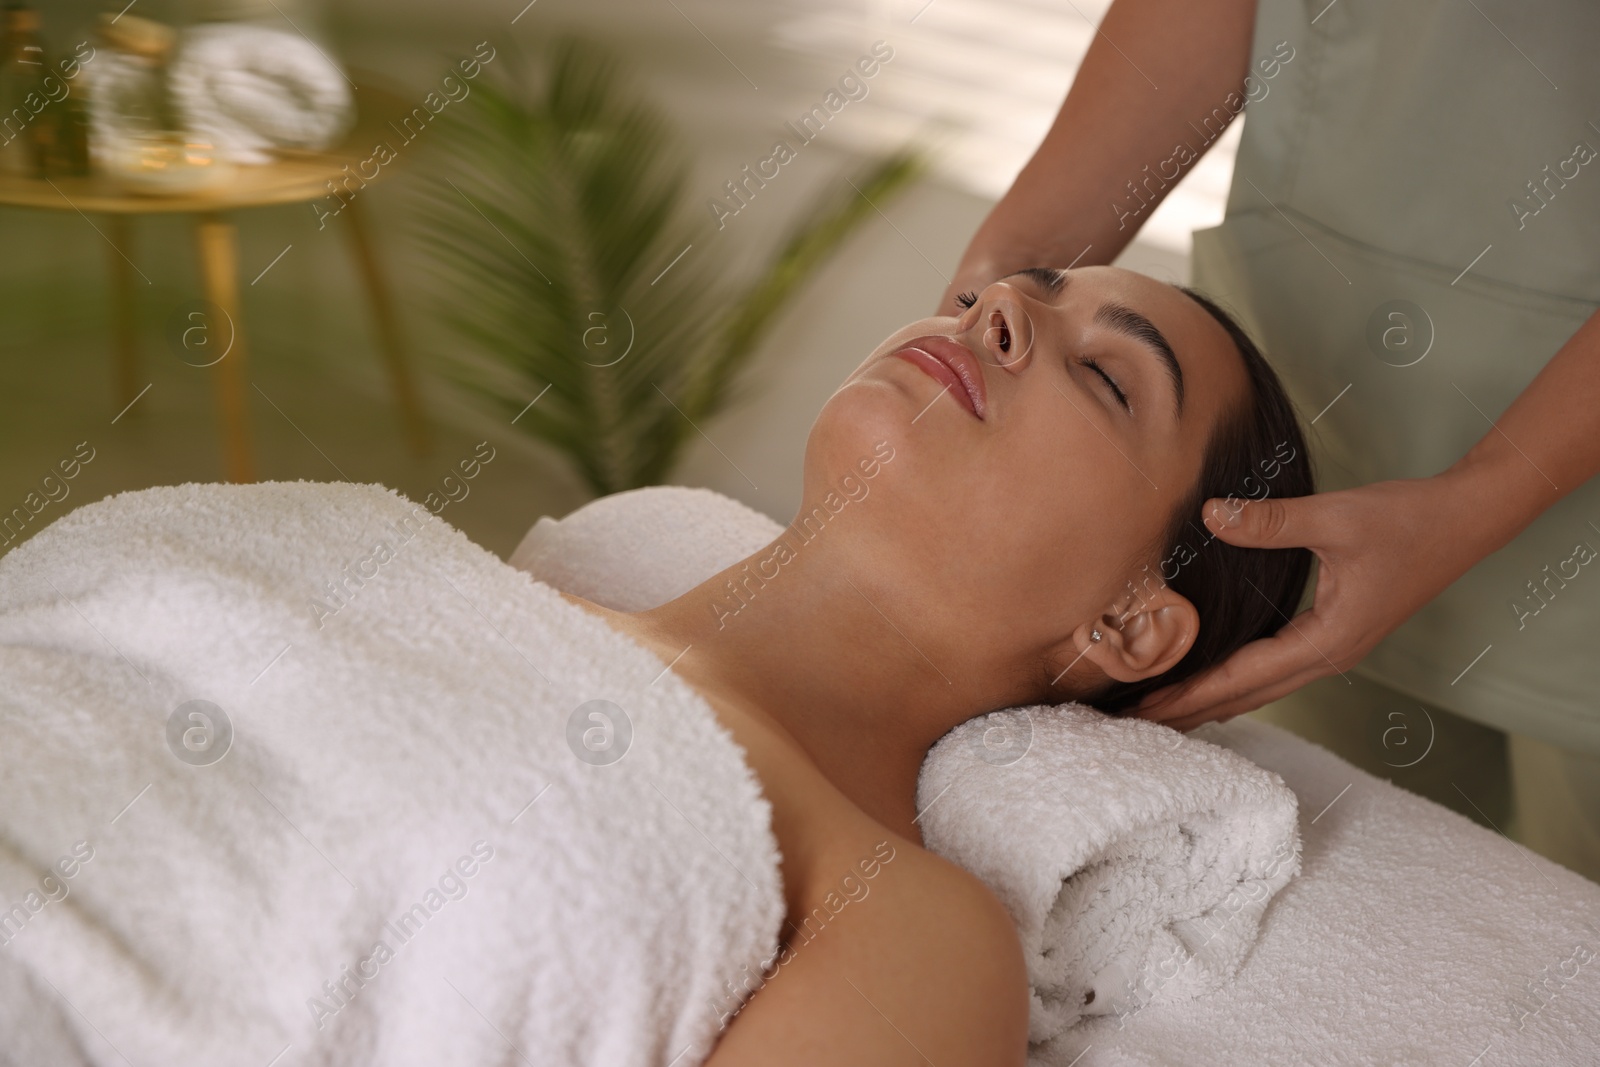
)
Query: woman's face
[{"x": 1003, "y": 532}]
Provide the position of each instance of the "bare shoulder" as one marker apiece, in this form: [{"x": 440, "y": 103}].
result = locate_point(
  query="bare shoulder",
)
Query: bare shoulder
[
  {"x": 955, "y": 919},
  {"x": 894, "y": 959}
]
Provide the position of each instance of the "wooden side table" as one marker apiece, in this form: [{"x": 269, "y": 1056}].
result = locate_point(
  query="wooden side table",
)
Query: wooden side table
[{"x": 295, "y": 178}]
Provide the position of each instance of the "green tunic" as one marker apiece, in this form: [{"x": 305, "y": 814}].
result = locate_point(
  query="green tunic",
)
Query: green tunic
[{"x": 1412, "y": 232}]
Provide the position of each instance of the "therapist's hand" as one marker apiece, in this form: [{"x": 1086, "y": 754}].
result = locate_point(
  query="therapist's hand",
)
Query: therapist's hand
[{"x": 1383, "y": 550}]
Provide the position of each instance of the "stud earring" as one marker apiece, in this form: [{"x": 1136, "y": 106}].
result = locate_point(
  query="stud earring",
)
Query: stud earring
[{"x": 1095, "y": 634}]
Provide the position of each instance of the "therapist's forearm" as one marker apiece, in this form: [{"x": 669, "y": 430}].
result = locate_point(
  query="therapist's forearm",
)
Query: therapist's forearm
[
  {"x": 1155, "y": 67},
  {"x": 1545, "y": 445}
]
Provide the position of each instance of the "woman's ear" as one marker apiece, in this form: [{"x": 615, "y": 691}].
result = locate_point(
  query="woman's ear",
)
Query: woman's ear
[{"x": 1147, "y": 638}]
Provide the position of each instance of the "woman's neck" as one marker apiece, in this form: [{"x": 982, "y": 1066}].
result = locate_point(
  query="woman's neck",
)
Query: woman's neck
[{"x": 815, "y": 648}]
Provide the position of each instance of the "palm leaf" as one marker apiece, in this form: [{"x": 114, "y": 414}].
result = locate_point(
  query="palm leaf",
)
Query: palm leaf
[
  {"x": 827, "y": 225},
  {"x": 551, "y": 227}
]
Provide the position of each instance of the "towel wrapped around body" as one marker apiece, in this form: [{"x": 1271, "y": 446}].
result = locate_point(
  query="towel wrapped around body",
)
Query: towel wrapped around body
[
  {"x": 250, "y": 89},
  {"x": 1137, "y": 862},
  {"x": 296, "y": 766}
]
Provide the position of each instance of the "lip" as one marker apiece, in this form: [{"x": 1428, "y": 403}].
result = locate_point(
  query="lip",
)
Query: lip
[{"x": 949, "y": 361}]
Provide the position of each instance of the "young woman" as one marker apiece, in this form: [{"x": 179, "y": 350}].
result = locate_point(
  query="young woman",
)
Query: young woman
[
  {"x": 370, "y": 876},
  {"x": 1034, "y": 537}
]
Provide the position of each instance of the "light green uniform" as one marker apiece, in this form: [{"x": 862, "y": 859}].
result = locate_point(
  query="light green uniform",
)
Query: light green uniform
[{"x": 1396, "y": 157}]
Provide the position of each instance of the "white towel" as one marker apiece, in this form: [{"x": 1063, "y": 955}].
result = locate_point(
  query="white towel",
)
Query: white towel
[
  {"x": 404, "y": 771},
  {"x": 1136, "y": 862},
  {"x": 249, "y": 89}
]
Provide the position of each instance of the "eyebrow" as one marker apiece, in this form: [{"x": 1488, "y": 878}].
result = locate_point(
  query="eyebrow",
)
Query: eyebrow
[
  {"x": 1122, "y": 319},
  {"x": 1125, "y": 320}
]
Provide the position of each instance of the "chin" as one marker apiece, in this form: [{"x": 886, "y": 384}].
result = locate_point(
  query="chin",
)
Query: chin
[
  {"x": 858, "y": 439},
  {"x": 873, "y": 404},
  {"x": 866, "y": 408}
]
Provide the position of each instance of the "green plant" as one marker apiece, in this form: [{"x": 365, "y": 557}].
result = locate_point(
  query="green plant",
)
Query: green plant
[{"x": 554, "y": 219}]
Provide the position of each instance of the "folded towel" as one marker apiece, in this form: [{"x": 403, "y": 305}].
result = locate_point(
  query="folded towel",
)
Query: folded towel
[
  {"x": 297, "y": 765},
  {"x": 1136, "y": 862},
  {"x": 249, "y": 89}
]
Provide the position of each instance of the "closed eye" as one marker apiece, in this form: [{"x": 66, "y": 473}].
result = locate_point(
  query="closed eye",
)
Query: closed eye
[{"x": 1094, "y": 365}]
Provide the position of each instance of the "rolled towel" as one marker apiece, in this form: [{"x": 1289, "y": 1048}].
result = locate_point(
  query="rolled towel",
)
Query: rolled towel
[
  {"x": 299, "y": 765},
  {"x": 249, "y": 89},
  {"x": 1137, "y": 862}
]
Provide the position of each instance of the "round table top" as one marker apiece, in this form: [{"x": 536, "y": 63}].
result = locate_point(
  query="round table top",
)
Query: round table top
[{"x": 291, "y": 178}]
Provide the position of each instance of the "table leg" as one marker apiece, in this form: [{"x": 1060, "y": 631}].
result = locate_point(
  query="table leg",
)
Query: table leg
[
  {"x": 124, "y": 323},
  {"x": 219, "y": 271},
  {"x": 389, "y": 336}
]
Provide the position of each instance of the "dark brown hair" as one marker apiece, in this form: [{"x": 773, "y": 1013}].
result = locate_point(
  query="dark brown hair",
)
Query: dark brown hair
[{"x": 1241, "y": 594}]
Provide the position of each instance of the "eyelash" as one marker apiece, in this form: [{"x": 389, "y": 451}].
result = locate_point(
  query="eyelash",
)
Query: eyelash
[
  {"x": 966, "y": 300},
  {"x": 1094, "y": 365}
]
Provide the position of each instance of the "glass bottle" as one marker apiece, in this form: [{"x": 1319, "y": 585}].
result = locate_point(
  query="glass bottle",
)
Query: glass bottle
[{"x": 22, "y": 95}]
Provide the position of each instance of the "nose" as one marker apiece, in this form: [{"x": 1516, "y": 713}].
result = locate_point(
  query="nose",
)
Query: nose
[{"x": 1001, "y": 330}]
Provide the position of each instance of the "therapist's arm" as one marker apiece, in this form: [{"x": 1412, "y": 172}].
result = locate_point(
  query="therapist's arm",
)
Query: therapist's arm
[
  {"x": 1157, "y": 69},
  {"x": 1386, "y": 549}
]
